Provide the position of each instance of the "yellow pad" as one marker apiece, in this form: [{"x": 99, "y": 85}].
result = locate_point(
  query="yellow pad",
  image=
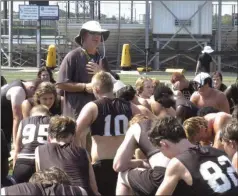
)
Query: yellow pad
[
  {"x": 126, "y": 56},
  {"x": 51, "y": 57},
  {"x": 141, "y": 69},
  {"x": 175, "y": 70}
]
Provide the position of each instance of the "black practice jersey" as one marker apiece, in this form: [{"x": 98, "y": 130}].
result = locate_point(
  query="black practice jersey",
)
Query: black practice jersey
[
  {"x": 69, "y": 158},
  {"x": 113, "y": 117},
  {"x": 211, "y": 170},
  {"x": 42, "y": 189},
  {"x": 185, "y": 109},
  {"x": 187, "y": 92},
  {"x": 6, "y": 108},
  {"x": 34, "y": 133},
  {"x": 3, "y": 81},
  {"x": 205, "y": 60},
  {"x": 232, "y": 96}
]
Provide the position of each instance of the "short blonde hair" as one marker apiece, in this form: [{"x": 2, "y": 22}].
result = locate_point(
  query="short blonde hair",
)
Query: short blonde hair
[
  {"x": 176, "y": 76},
  {"x": 138, "y": 118},
  {"x": 140, "y": 84},
  {"x": 155, "y": 81},
  {"x": 41, "y": 109},
  {"x": 103, "y": 81},
  {"x": 192, "y": 126}
]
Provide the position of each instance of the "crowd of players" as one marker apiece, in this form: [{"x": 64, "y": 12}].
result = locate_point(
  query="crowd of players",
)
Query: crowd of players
[{"x": 145, "y": 139}]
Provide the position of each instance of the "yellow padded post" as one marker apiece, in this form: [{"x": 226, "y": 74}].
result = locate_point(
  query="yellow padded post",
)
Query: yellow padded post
[
  {"x": 51, "y": 57},
  {"x": 175, "y": 70},
  {"x": 126, "y": 57}
]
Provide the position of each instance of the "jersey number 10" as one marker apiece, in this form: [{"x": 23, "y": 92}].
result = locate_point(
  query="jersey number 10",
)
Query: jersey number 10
[{"x": 119, "y": 118}]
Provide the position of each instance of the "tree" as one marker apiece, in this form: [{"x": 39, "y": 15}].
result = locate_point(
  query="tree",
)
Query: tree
[
  {"x": 63, "y": 13},
  {"x": 227, "y": 19}
]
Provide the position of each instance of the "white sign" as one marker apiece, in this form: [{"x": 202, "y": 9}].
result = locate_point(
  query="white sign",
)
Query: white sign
[
  {"x": 50, "y": 12},
  {"x": 28, "y": 12}
]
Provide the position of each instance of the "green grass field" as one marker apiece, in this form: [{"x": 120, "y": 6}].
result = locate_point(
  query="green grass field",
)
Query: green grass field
[{"x": 228, "y": 78}]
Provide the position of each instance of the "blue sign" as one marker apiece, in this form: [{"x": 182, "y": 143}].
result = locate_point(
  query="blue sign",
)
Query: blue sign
[
  {"x": 50, "y": 12},
  {"x": 28, "y": 12}
]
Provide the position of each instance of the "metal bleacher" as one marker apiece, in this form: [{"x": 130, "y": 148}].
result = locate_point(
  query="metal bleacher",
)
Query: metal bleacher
[{"x": 133, "y": 34}]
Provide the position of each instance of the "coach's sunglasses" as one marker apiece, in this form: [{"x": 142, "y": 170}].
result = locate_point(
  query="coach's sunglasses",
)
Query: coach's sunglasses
[{"x": 95, "y": 33}]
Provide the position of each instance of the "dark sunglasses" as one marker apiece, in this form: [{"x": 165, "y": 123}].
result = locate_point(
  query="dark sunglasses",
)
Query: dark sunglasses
[
  {"x": 197, "y": 85},
  {"x": 94, "y": 33}
]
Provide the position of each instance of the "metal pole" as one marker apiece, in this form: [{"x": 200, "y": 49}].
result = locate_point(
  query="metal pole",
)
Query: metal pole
[
  {"x": 5, "y": 17},
  {"x": 84, "y": 10},
  {"x": 219, "y": 34},
  {"x": 157, "y": 60},
  {"x": 119, "y": 31},
  {"x": 10, "y": 33},
  {"x": 91, "y": 5},
  {"x": 135, "y": 15},
  {"x": 99, "y": 10},
  {"x": 95, "y": 9},
  {"x": 38, "y": 41},
  {"x": 199, "y": 20},
  {"x": 66, "y": 25},
  {"x": 132, "y": 11},
  {"x": 147, "y": 26},
  {"x": 0, "y": 36},
  {"x": 77, "y": 10},
  {"x": 68, "y": 8}
]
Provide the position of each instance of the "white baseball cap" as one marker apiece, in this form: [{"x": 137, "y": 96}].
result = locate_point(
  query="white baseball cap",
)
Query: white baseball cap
[{"x": 200, "y": 78}]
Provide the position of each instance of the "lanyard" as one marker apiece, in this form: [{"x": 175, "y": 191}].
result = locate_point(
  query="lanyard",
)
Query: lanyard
[{"x": 88, "y": 57}]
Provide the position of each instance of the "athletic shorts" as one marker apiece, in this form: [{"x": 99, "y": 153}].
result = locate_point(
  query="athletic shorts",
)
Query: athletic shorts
[
  {"x": 23, "y": 170},
  {"x": 146, "y": 182},
  {"x": 106, "y": 177}
]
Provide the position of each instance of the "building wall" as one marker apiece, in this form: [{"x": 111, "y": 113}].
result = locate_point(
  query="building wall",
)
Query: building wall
[{"x": 163, "y": 22}]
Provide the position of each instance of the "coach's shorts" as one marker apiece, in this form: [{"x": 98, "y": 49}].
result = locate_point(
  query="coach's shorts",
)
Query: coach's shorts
[
  {"x": 146, "y": 182},
  {"x": 106, "y": 177},
  {"x": 23, "y": 170}
]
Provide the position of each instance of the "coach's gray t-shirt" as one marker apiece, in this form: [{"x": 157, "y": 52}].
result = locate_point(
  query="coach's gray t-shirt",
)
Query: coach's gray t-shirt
[{"x": 73, "y": 70}]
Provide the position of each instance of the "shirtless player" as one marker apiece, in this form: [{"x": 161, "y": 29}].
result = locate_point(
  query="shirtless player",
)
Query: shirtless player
[
  {"x": 229, "y": 139},
  {"x": 108, "y": 119},
  {"x": 206, "y": 129},
  {"x": 136, "y": 136},
  {"x": 129, "y": 168},
  {"x": 208, "y": 96},
  {"x": 128, "y": 93}
]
